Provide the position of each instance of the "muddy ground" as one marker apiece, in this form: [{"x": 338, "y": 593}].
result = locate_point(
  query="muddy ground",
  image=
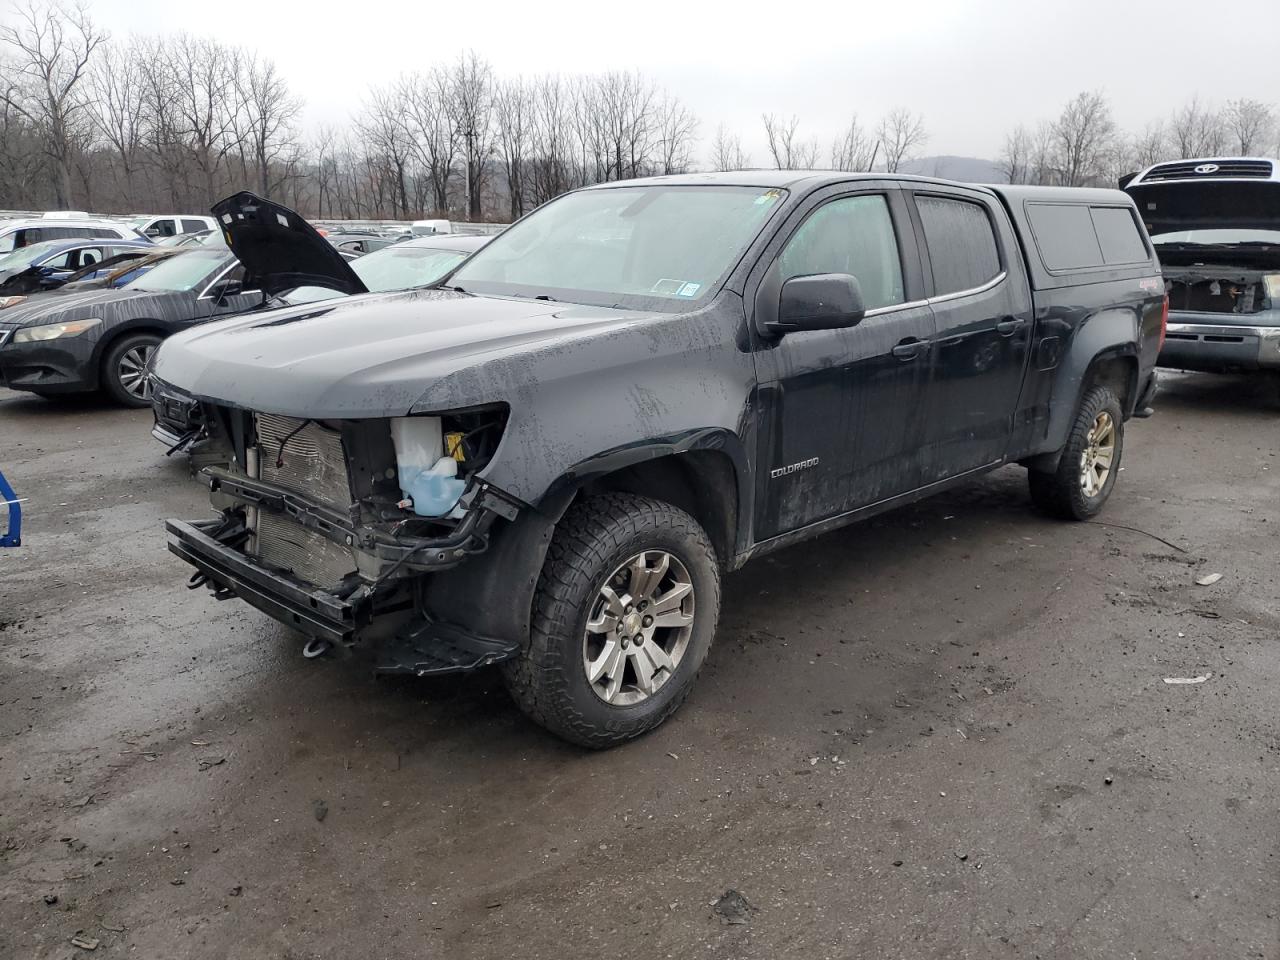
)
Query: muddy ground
[{"x": 944, "y": 733}]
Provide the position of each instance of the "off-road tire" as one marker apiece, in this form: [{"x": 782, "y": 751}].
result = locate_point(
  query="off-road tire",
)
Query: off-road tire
[
  {"x": 111, "y": 368},
  {"x": 548, "y": 680},
  {"x": 1060, "y": 494}
]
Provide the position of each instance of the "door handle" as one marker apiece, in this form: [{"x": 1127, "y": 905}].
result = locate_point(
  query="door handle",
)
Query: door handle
[
  {"x": 910, "y": 349},
  {"x": 1010, "y": 326}
]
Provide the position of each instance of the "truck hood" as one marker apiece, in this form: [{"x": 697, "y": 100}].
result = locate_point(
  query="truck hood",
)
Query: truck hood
[
  {"x": 379, "y": 355},
  {"x": 1219, "y": 205},
  {"x": 279, "y": 249}
]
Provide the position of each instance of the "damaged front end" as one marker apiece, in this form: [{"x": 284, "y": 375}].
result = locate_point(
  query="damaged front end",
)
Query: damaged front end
[{"x": 316, "y": 530}]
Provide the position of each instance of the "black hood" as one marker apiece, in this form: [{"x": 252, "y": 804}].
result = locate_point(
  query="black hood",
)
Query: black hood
[
  {"x": 279, "y": 249},
  {"x": 1172, "y": 206}
]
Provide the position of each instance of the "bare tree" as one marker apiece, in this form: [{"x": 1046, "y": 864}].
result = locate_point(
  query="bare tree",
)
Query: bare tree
[
  {"x": 268, "y": 109},
  {"x": 901, "y": 132},
  {"x": 429, "y": 117},
  {"x": 470, "y": 106},
  {"x": 788, "y": 153},
  {"x": 513, "y": 118},
  {"x": 677, "y": 132},
  {"x": 1151, "y": 146},
  {"x": 1016, "y": 160},
  {"x": 1250, "y": 124},
  {"x": 1196, "y": 130},
  {"x": 390, "y": 146},
  {"x": 854, "y": 149},
  {"x": 1084, "y": 135},
  {"x": 51, "y": 48},
  {"x": 726, "y": 151}
]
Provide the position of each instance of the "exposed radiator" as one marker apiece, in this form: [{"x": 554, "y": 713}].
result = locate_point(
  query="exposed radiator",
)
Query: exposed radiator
[{"x": 313, "y": 464}]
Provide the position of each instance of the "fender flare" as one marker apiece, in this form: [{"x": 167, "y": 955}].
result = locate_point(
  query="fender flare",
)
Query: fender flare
[
  {"x": 493, "y": 593},
  {"x": 1108, "y": 334}
]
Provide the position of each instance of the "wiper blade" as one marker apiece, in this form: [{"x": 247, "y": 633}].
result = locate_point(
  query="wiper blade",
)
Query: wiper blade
[
  {"x": 543, "y": 296},
  {"x": 445, "y": 286}
]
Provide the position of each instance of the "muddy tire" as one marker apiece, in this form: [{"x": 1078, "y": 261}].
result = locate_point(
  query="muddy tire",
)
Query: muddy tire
[
  {"x": 623, "y": 616},
  {"x": 1090, "y": 461},
  {"x": 124, "y": 369}
]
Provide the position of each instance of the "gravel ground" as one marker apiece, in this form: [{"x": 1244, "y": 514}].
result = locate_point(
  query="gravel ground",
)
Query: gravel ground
[{"x": 943, "y": 733}]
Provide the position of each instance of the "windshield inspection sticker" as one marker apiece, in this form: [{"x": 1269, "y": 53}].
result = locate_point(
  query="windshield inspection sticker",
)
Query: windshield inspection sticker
[
  {"x": 768, "y": 197},
  {"x": 666, "y": 287},
  {"x": 689, "y": 290}
]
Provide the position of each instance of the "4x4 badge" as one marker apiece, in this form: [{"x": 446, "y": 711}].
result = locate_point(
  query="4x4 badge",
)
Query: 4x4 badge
[{"x": 1207, "y": 168}]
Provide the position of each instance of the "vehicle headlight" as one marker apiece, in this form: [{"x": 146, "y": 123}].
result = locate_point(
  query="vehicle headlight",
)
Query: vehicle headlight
[
  {"x": 53, "y": 331},
  {"x": 10, "y": 301}
]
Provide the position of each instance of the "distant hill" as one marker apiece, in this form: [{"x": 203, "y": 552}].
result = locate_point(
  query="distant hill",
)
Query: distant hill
[{"x": 967, "y": 169}]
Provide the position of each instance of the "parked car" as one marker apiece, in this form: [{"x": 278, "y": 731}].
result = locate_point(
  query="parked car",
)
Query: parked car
[
  {"x": 172, "y": 225},
  {"x": 362, "y": 243},
  {"x": 51, "y": 263},
  {"x": 1215, "y": 223},
  {"x": 23, "y": 232},
  {"x": 549, "y": 459},
  {"x": 414, "y": 263},
  {"x": 104, "y": 338},
  {"x": 191, "y": 239},
  {"x": 430, "y": 228}
]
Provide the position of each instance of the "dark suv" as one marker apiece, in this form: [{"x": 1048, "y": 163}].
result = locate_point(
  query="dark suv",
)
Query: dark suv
[{"x": 549, "y": 459}]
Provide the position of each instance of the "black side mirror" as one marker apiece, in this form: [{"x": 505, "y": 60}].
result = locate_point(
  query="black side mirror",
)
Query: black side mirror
[
  {"x": 822, "y": 301},
  {"x": 226, "y": 290}
]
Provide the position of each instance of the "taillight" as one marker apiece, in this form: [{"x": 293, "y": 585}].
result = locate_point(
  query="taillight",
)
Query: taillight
[{"x": 1164, "y": 319}]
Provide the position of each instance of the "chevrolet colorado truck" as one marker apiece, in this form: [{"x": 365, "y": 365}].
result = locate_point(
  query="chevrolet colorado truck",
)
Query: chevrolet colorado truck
[
  {"x": 1215, "y": 224},
  {"x": 548, "y": 460}
]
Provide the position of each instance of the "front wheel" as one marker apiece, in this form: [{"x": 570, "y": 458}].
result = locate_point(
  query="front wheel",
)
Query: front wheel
[
  {"x": 124, "y": 369},
  {"x": 623, "y": 617},
  {"x": 1090, "y": 462}
]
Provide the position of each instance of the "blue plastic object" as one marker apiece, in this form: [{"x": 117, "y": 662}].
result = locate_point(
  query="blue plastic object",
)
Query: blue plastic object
[
  {"x": 12, "y": 537},
  {"x": 434, "y": 494}
]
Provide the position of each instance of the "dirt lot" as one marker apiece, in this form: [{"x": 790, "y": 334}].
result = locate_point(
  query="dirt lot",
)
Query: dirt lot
[{"x": 941, "y": 734}]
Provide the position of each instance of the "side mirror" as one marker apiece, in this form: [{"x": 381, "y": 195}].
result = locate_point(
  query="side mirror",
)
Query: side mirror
[
  {"x": 823, "y": 301},
  {"x": 226, "y": 290}
]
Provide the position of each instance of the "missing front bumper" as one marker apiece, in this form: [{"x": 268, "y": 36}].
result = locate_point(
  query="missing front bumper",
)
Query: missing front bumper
[{"x": 314, "y": 612}]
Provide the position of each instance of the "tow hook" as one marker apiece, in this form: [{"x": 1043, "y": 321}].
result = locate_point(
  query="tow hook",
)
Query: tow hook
[{"x": 316, "y": 647}]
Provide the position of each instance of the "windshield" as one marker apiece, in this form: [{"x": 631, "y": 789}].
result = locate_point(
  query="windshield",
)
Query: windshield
[
  {"x": 25, "y": 256},
  {"x": 185, "y": 271},
  {"x": 650, "y": 247},
  {"x": 1209, "y": 238},
  {"x": 392, "y": 268}
]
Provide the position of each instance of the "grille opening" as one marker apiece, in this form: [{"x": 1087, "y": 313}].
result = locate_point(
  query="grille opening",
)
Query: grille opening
[{"x": 1216, "y": 296}]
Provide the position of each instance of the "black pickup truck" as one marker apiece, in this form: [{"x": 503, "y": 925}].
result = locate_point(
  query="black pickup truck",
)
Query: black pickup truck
[{"x": 548, "y": 459}]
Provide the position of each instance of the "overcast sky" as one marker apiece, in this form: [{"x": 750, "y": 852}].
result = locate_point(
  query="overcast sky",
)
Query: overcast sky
[{"x": 973, "y": 68}]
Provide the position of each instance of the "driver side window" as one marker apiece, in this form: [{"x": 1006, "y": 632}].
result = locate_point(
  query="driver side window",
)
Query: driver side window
[{"x": 852, "y": 235}]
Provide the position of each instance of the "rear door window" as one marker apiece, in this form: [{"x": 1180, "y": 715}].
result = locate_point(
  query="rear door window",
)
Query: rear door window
[
  {"x": 962, "y": 243},
  {"x": 194, "y": 226},
  {"x": 1118, "y": 235}
]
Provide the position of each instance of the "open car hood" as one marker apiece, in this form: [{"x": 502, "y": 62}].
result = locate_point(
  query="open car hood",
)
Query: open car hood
[
  {"x": 1208, "y": 205},
  {"x": 279, "y": 249}
]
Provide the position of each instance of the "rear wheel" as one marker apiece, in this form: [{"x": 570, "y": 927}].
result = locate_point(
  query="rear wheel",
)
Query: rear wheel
[
  {"x": 623, "y": 617},
  {"x": 124, "y": 369},
  {"x": 1090, "y": 462}
]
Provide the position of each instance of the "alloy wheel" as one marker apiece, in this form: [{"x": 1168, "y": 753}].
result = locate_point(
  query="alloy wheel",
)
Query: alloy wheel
[
  {"x": 132, "y": 370},
  {"x": 638, "y": 628},
  {"x": 1098, "y": 456}
]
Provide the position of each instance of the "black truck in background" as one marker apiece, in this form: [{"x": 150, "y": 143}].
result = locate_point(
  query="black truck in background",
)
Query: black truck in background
[{"x": 548, "y": 460}]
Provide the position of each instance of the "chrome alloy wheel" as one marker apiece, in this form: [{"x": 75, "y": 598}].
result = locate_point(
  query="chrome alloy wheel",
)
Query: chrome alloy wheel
[
  {"x": 1098, "y": 455},
  {"x": 132, "y": 370},
  {"x": 638, "y": 628}
]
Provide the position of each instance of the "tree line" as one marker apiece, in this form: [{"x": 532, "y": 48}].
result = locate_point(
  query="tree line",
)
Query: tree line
[
  {"x": 171, "y": 123},
  {"x": 1084, "y": 146}
]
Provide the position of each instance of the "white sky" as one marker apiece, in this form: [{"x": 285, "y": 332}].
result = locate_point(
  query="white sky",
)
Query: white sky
[{"x": 973, "y": 68}]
